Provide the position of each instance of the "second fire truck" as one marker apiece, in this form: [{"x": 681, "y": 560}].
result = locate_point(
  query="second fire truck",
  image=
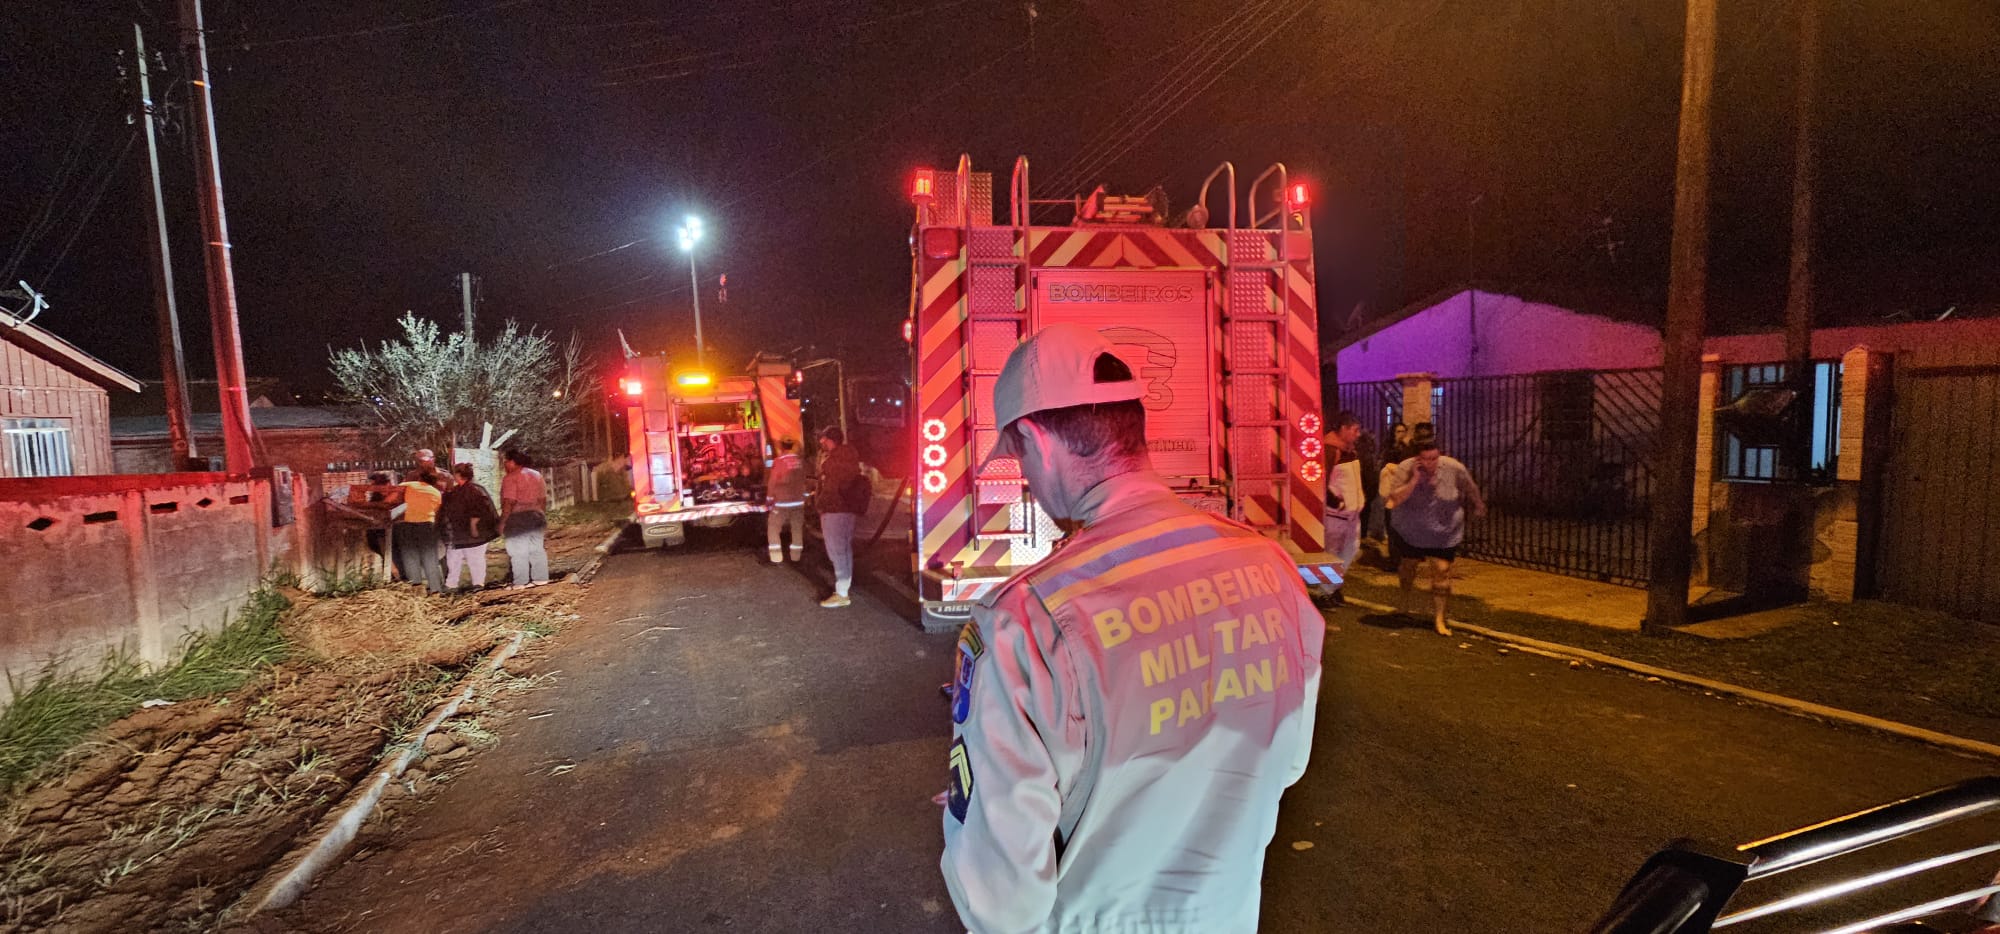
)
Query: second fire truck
[{"x": 702, "y": 444}]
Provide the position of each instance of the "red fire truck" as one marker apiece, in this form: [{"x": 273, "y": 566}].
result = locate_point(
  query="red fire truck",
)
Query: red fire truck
[
  {"x": 1216, "y": 315},
  {"x": 702, "y": 445}
]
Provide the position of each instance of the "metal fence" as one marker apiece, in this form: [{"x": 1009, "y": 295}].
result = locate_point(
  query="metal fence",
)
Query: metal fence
[
  {"x": 1563, "y": 459},
  {"x": 1379, "y": 407}
]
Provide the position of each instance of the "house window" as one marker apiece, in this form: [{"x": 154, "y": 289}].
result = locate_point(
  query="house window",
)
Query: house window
[
  {"x": 1753, "y": 449},
  {"x": 36, "y": 447}
]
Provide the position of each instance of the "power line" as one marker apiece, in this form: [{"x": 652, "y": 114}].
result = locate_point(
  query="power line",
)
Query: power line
[
  {"x": 1220, "y": 68},
  {"x": 1165, "y": 93},
  {"x": 385, "y": 28},
  {"x": 89, "y": 208},
  {"x": 1196, "y": 50},
  {"x": 679, "y": 19},
  {"x": 819, "y": 158},
  {"x": 767, "y": 46},
  {"x": 52, "y": 207}
]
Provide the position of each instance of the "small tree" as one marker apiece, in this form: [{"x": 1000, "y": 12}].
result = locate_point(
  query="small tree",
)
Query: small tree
[{"x": 437, "y": 390}]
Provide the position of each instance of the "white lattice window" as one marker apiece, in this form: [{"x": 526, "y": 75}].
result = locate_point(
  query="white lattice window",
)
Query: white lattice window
[{"x": 36, "y": 447}]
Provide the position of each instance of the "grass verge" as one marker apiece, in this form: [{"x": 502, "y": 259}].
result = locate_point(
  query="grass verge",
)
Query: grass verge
[{"x": 59, "y": 707}]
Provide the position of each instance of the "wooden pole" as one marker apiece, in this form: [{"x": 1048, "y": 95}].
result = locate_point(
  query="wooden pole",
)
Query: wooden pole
[
  {"x": 1799, "y": 293},
  {"x": 173, "y": 363},
  {"x": 1672, "y": 544},
  {"x": 223, "y": 327}
]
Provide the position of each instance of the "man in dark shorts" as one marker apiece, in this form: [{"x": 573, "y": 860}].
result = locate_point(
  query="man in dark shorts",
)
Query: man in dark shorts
[{"x": 1428, "y": 505}]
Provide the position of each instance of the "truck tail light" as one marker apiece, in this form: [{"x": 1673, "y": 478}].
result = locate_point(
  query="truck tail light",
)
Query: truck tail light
[
  {"x": 934, "y": 482},
  {"x": 1311, "y": 471},
  {"x": 635, "y": 388},
  {"x": 909, "y": 331}
]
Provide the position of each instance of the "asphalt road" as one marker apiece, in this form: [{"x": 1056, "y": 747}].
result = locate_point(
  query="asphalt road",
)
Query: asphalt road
[{"x": 722, "y": 754}]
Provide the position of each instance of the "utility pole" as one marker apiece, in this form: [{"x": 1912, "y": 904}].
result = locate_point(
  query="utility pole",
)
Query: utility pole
[
  {"x": 1672, "y": 544},
  {"x": 1472, "y": 283},
  {"x": 227, "y": 335},
  {"x": 173, "y": 364},
  {"x": 1799, "y": 293},
  {"x": 465, "y": 295}
]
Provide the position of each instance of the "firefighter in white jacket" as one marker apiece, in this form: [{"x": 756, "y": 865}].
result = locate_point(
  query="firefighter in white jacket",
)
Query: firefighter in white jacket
[{"x": 1129, "y": 711}]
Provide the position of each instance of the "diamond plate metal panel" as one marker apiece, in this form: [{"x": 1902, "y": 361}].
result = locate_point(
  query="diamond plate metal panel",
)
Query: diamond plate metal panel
[
  {"x": 981, "y": 203},
  {"x": 944, "y": 200},
  {"x": 1247, "y": 294},
  {"x": 1254, "y": 399},
  {"x": 1253, "y": 345},
  {"x": 1006, "y": 468},
  {"x": 993, "y": 290},
  {"x": 991, "y": 342},
  {"x": 1255, "y": 451},
  {"x": 1001, "y": 493},
  {"x": 982, "y": 400},
  {"x": 1036, "y": 546},
  {"x": 1251, "y": 246},
  {"x": 993, "y": 243}
]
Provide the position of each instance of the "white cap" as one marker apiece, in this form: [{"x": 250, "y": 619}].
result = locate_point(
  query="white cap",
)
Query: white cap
[{"x": 1055, "y": 369}]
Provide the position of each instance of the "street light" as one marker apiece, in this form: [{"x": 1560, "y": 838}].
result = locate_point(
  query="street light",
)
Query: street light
[{"x": 690, "y": 234}]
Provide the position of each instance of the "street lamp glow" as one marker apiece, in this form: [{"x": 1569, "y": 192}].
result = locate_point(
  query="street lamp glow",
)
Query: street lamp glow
[{"x": 689, "y": 233}]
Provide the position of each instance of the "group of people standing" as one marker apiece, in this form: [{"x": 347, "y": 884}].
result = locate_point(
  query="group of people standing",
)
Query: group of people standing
[
  {"x": 446, "y": 523},
  {"x": 1424, "y": 497},
  {"x": 843, "y": 498}
]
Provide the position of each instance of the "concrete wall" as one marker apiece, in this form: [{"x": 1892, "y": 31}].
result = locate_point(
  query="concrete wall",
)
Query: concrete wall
[
  {"x": 97, "y": 564},
  {"x": 1922, "y": 343},
  {"x": 1513, "y": 336}
]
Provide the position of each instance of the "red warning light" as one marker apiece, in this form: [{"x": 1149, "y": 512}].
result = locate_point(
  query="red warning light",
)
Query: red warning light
[
  {"x": 634, "y": 388},
  {"x": 909, "y": 331},
  {"x": 1298, "y": 196},
  {"x": 923, "y": 185}
]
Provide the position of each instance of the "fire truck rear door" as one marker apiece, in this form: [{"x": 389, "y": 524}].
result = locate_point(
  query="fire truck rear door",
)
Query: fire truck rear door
[{"x": 1159, "y": 321}]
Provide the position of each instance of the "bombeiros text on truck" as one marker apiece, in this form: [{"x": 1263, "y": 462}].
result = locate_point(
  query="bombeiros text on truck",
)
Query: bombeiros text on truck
[{"x": 1215, "y": 313}]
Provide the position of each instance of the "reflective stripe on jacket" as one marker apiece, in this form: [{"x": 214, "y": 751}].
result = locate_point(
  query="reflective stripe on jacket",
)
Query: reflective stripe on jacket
[
  {"x": 788, "y": 481},
  {"x": 1131, "y": 710}
]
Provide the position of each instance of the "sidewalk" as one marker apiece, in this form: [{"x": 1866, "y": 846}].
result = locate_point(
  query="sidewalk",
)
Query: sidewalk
[{"x": 1870, "y": 657}]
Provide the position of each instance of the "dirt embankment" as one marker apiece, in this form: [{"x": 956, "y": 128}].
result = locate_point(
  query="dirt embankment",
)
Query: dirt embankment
[{"x": 165, "y": 818}]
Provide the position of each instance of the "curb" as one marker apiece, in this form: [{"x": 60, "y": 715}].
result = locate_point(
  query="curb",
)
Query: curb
[
  {"x": 598, "y": 555},
  {"x": 1789, "y": 704},
  {"x": 281, "y": 888}
]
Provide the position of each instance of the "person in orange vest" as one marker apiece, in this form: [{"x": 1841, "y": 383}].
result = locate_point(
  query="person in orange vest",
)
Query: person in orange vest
[{"x": 1128, "y": 712}]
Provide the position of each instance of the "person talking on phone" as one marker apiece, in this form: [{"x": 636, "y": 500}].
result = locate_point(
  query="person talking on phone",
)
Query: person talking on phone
[{"x": 1428, "y": 508}]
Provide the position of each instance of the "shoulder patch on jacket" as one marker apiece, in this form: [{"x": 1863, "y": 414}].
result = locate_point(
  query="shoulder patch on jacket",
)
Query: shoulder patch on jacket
[
  {"x": 969, "y": 649},
  {"x": 959, "y": 798}
]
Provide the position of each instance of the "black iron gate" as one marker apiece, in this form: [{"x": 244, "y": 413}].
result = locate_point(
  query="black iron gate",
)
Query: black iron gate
[
  {"x": 1563, "y": 460},
  {"x": 1379, "y": 407}
]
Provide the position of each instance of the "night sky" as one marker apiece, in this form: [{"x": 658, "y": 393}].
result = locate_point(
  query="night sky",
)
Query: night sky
[{"x": 371, "y": 150}]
